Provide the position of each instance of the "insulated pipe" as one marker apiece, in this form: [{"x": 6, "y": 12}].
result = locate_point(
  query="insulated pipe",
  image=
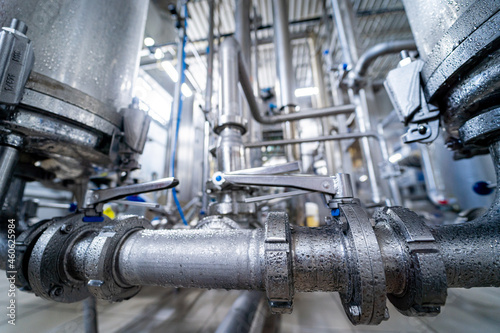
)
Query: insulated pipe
[
  {"x": 470, "y": 252},
  {"x": 378, "y": 50}
]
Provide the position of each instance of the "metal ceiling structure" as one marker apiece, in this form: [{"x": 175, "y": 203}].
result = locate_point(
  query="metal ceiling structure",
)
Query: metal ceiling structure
[{"x": 378, "y": 21}]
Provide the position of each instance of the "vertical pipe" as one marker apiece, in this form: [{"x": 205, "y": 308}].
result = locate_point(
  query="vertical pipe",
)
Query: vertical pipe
[
  {"x": 243, "y": 36},
  {"x": 208, "y": 108},
  {"x": 255, "y": 129},
  {"x": 242, "y": 30},
  {"x": 173, "y": 116},
  {"x": 230, "y": 149},
  {"x": 90, "y": 315},
  {"x": 286, "y": 74},
  {"x": 396, "y": 199},
  {"x": 317, "y": 72},
  {"x": 343, "y": 15},
  {"x": 346, "y": 29},
  {"x": 8, "y": 160},
  {"x": 434, "y": 185},
  {"x": 362, "y": 118}
]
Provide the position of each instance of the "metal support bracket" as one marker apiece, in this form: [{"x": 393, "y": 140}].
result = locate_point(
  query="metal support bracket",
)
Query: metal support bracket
[{"x": 405, "y": 90}]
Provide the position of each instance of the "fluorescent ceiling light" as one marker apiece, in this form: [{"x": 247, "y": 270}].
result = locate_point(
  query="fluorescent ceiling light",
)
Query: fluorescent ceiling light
[
  {"x": 186, "y": 91},
  {"x": 170, "y": 69},
  {"x": 302, "y": 92},
  {"x": 148, "y": 41}
]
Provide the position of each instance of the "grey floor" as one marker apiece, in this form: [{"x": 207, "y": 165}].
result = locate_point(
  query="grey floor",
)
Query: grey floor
[{"x": 193, "y": 310}]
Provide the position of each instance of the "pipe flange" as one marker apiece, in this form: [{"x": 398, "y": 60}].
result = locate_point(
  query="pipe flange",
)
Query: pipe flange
[
  {"x": 426, "y": 286},
  {"x": 278, "y": 276},
  {"x": 24, "y": 246},
  {"x": 100, "y": 259},
  {"x": 482, "y": 129},
  {"x": 364, "y": 298},
  {"x": 47, "y": 266}
]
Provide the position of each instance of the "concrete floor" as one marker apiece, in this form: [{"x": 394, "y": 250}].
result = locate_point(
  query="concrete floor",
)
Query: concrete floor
[{"x": 193, "y": 310}]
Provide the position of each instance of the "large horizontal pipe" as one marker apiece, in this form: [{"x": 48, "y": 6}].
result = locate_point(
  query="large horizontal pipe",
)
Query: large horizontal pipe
[
  {"x": 234, "y": 259},
  {"x": 336, "y": 137},
  {"x": 194, "y": 258},
  {"x": 303, "y": 114},
  {"x": 470, "y": 253},
  {"x": 228, "y": 259}
]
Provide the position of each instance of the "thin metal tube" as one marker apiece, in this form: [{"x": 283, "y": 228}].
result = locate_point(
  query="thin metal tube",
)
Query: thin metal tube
[
  {"x": 173, "y": 119},
  {"x": 378, "y": 50},
  {"x": 208, "y": 108},
  {"x": 283, "y": 52},
  {"x": 90, "y": 315},
  {"x": 470, "y": 253},
  {"x": 316, "y": 139},
  {"x": 303, "y": 114},
  {"x": 8, "y": 160},
  {"x": 285, "y": 74},
  {"x": 342, "y": 14}
]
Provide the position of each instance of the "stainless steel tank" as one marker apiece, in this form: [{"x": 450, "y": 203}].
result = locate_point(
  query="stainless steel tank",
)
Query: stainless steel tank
[
  {"x": 90, "y": 45},
  {"x": 86, "y": 60},
  {"x": 459, "y": 42}
]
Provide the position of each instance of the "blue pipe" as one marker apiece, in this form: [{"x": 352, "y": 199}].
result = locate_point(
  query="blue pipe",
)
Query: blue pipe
[{"x": 179, "y": 111}]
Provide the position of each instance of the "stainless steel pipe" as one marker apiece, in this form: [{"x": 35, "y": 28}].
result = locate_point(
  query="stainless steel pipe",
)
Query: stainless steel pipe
[
  {"x": 303, "y": 114},
  {"x": 229, "y": 259},
  {"x": 378, "y": 50},
  {"x": 284, "y": 142},
  {"x": 8, "y": 160},
  {"x": 470, "y": 252}
]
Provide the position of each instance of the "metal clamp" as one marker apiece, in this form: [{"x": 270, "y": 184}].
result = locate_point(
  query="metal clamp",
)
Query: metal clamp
[
  {"x": 100, "y": 262},
  {"x": 278, "y": 278},
  {"x": 425, "y": 291},
  {"x": 364, "y": 298}
]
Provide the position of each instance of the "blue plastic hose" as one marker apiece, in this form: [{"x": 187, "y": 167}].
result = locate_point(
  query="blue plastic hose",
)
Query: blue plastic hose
[{"x": 179, "y": 113}]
